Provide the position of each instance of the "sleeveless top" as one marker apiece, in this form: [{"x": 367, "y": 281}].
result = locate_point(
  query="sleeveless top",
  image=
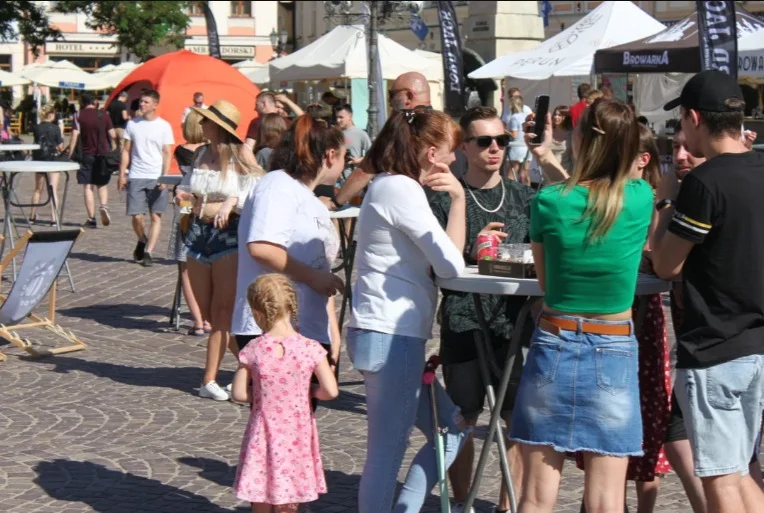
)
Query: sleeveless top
[{"x": 212, "y": 185}]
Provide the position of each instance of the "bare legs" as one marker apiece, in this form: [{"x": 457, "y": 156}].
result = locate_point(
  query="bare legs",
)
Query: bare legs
[
  {"x": 103, "y": 199},
  {"x": 647, "y": 495},
  {"x": 679, "y": 454},
  {"x": 39, "y": 188},
  {"x": 188, "y": 293},
  {"x": 281, "y": 508},
  {"x": 214, "y": 287}
]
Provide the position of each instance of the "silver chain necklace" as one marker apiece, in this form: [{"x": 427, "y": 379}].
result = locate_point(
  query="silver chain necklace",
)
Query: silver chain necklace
[{"x": 501, "y": 202}]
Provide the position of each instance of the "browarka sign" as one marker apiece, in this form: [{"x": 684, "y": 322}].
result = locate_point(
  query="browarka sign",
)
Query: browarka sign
[{"x": 646, "y": 59}]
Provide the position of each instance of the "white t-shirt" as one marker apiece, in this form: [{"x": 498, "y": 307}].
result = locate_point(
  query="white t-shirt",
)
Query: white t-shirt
[
  {"x": 399, "y": 241},
  {"x": 283, "y": 211},
  {"x": 148, "y": 139}
]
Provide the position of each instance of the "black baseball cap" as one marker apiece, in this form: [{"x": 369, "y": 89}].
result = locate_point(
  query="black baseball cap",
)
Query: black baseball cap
[{"x": 708, "y": 90}]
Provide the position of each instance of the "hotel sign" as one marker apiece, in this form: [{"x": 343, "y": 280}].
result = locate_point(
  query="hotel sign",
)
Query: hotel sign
[
  {"x": 67, "y": 48},
  {"x": 231, "y": 52}
]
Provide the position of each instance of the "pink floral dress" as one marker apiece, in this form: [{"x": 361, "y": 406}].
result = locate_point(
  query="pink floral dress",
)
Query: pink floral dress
[{"x": 280, "y": 462}]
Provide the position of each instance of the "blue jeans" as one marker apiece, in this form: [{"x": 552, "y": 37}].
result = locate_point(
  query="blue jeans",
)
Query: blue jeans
[
  {"x": 722, "y": 407},
  {"x": 396, "y": 401}
]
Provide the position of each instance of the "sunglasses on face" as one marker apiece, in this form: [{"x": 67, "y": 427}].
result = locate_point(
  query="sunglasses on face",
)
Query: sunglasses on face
[{"x": 484, "y": 141}]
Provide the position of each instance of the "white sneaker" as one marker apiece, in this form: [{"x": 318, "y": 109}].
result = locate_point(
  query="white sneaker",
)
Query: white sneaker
[
  {"x": 213, "y": 391},
  {"x": 459, "y": 508},
  {"x": 229, "y": 387}
]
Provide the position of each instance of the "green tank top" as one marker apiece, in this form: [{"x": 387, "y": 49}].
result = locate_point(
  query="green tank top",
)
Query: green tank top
[{"x": 596, "y": 277}]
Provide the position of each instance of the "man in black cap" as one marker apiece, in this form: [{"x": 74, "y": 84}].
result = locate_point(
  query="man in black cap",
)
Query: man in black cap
[{"x": 711, "y": 230}]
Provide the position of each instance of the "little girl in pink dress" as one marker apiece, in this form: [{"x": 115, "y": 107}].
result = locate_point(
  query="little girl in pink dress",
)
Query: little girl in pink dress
[{"x": 280, "y": 462}]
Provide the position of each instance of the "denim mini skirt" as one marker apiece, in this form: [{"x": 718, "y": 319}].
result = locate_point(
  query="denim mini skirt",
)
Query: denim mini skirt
[
  {"x": 580, "y": 392},
  {"x": 205, "y": 243}
]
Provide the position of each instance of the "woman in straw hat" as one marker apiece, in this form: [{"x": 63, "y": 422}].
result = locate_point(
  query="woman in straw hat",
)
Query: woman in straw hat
[{"x": 223, "y": 173}]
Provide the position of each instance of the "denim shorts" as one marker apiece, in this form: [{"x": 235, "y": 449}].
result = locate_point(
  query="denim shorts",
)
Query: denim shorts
[
  {"x": 722, "y": 408},
  {"x": 205, "y": 243},
  {"x": 580, "y": 392}
]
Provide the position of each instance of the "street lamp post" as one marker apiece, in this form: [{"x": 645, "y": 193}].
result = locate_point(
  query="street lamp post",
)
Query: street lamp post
[
  {"x": 278, "y": 41},
  {"x": 376, "y": 13}
]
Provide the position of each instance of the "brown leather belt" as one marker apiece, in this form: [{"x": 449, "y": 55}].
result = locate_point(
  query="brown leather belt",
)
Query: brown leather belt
[{"x": 555, "y": 324}]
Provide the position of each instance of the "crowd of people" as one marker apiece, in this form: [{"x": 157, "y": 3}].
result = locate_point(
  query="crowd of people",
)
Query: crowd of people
[{"x": 255, "y": 245}]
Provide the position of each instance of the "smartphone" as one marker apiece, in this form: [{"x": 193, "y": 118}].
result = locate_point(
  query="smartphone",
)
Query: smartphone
[{"x": 541, "y": 110}]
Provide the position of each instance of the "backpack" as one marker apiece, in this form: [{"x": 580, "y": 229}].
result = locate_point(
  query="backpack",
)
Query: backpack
[{"x": 48, "y": 144}]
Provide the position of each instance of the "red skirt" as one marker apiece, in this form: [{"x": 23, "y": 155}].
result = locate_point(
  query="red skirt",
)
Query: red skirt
[{"x": 654, "y": 394}]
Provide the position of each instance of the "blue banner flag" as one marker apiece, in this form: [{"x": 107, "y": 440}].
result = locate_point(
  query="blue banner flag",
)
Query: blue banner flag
[{"x": 419, "y": 27}]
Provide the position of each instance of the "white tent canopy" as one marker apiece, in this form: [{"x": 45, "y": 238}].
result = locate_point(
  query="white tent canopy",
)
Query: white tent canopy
[
  {"x": 9, "y": 80},
  {"x": 751, "y": 55},
  {"x": 113, "y": 75},
  {"x": 571, "y": 52},
  {"x": 62, "y": 74},
  {"x": 256, "y": 72},
  {"x": 342, "y": 53}
]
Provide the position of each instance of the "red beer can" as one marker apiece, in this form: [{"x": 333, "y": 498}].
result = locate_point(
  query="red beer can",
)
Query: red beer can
[{"x": 487, "y": 246}]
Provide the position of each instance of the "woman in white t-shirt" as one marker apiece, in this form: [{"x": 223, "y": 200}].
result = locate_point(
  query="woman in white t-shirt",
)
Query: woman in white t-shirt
[
  {"x": 285, "y": 228},
  {"x": 400, "y": 246},
  {"x": 519, "y": 160},
  {"x": 222, "y": 175}
]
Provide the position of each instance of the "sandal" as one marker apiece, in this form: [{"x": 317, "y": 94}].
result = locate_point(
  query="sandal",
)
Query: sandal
[
  {"x": 196, "y": 332},
  {"x": 207, "y": 327}
]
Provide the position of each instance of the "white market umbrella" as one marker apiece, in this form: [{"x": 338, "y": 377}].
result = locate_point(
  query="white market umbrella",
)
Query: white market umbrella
[
  {"x": 62, "y": 74},
  {"x": 256, "y": 72},
  {"x": 571, "y": 52},
  {"x": 342, "y": 53},
  {"x": 9, "y": 79},
  {"x": 113, "y": 75}
]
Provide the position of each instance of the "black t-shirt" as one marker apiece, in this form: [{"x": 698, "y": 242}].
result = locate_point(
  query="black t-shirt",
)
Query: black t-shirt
[
  {"x": 116, "y": 108},
  {"x": 720, "y": 208}
]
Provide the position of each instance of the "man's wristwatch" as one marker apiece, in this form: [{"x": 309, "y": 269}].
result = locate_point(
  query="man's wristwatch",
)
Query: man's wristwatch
[{"x": 664, "y": 204}]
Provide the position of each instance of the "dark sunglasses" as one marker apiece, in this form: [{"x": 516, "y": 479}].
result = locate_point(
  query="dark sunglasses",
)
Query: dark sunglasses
[{"x": 484, "y": 141}]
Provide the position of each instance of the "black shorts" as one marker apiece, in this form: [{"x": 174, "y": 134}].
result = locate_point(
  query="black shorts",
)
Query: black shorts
[
  {"x": 675, "y": 431},
  {"x": 92, "y": 172},
  {"x": 464, "y": 382},
  {"x": 243, "y": 340}
]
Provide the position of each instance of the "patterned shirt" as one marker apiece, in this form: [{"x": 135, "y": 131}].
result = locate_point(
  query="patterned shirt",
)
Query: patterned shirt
[{"x": 458, "y": 316}]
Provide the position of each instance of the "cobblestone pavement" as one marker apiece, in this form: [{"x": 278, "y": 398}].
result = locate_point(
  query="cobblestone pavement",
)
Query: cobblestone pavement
[{"x": 118, "y": 427}]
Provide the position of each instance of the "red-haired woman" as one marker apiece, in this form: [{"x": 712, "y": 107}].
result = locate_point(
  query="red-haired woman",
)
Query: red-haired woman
[{"x": 284, "y": 228}]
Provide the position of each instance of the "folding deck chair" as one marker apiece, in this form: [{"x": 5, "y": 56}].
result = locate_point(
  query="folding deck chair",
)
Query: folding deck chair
[{"x": 45, "y": 256}]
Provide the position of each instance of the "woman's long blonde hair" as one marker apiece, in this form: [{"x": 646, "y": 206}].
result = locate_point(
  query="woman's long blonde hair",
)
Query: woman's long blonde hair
[
  {"x": 516, "y": 104},
  {"x": 231, "y": 149},
  {"x": 609, "y": 135}
]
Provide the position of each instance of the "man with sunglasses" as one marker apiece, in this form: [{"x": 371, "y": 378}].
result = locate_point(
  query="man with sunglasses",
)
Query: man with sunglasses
[
  {"x": 501, "y": 207},
  {"x": 409, "y": 90}
]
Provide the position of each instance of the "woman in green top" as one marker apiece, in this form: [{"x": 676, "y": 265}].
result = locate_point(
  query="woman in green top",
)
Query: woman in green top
[{"x": 579, "y": 390}]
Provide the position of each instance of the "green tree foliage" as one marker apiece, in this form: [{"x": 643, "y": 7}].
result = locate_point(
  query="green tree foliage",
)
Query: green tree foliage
[
  {"x": 138, "y": 25},
  {"x": 28, "y": 20}
]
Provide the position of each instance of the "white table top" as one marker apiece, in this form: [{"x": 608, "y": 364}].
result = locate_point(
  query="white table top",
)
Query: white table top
[
  {"x": 19, "y": 147},
  {"x": 345, "y": 213},
  {"x": 471, "y": 281},
  {"x": 170, "y": 179},
  {"x": 37, "y": 166}
]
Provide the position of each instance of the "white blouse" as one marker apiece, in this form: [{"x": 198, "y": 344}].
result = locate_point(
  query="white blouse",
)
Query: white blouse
[{"x": 214, "y": 186}]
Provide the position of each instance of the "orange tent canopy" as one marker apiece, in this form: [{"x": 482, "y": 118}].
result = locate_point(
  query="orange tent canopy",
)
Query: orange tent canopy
[{"x": 178, "y": 75}]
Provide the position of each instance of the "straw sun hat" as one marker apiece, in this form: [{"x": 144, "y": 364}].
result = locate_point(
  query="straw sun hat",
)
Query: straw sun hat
[{"x": 224, "y": 114}]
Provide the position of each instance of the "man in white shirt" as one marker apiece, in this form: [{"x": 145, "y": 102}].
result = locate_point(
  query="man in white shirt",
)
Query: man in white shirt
[
  {"x": 198, "y": 103},
  {"x": 146, "y": 150}
]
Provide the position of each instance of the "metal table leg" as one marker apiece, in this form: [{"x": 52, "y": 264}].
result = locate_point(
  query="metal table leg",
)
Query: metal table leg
[
  {"x": 57, "y": 222},
  {"x": 64, "y": 196},
  {"x": 177, "y": 302},
  {"x": 348, "y": 259},
  {"x": 493, "y": 425}
]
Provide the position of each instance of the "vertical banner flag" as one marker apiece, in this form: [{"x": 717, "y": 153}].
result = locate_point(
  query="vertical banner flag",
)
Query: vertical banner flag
[
  {"x": 212, "y": 31},
  {"x": 451, "y": 45},
  {"x": 546, "y": 10},
  {"x": 419, "y": 27},
  {"x": 381, "y": 91},
  {"x": 717, "y": 34}
]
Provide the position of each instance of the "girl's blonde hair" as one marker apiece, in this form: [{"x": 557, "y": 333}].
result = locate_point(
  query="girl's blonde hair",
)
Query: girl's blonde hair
[
  {"x": 609, "y": 146},
  {"x": 192, "y": 128},
  {"x": 234, "y": 151},
  {"x": 46, "y": 110},
  {"x": 272, "y": 297}
]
